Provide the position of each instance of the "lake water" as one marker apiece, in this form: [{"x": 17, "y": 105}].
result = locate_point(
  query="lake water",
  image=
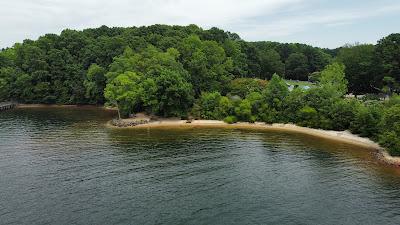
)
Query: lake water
[{"x": 64, "y": 166}]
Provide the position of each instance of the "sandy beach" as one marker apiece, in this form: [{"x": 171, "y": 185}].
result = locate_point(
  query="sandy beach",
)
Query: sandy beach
[{"x": 340, "y": 136}]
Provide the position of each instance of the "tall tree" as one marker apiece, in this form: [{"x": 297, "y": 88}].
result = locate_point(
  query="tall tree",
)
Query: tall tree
[
  {"x": 297, "y": 67},
  {"x": 363, "y": 68}
]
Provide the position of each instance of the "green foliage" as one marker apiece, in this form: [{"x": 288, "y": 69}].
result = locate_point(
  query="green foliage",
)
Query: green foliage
[
  {"x": 308, "y": 117},
  {"x": 366, "y": 121},
  {"x": 174, "y": 94},
  {"x": 388, "y": 49},
  {"x": 243, "y": 111},
  {"x": 297, "y": 67},
  {"x": 225, "y": 107},
  {"x": 271, "y": 63},
  {"x": 207, "y": 64},
  {"x": 208, "y": 104},
  {"x": 94, "y": 83},
  {"x": 230, "y": 119},
  {"x": 276, "y": 92},
  {"x": 342, "y": 114},
  {"x": 292, "y": 104},
  {"x": 390, "y": 135},
  {"x": 164, "y": 85},
  {"x": 244, "y": 86},
  {"x": 333, "y": 79},
  {"x": 124, "y": 91},
  {"x": 363, "y": 68}
]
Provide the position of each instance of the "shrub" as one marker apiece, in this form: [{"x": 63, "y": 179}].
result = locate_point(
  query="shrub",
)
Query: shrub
[
  {"x": 391, "y": 141},
  {"x": 308, "y": 116},
  {"x": 243, "y": 111},
  {"x": 208, "y": 104},
  {"x": 225, "y": 108},
  {"x": 244, "y": 86},
  {"x": 342, "y": 114},
  {"x": 366, "y": 121},
  {"x": 230, "y": 119},
  {"x": 390, "y": 137}
]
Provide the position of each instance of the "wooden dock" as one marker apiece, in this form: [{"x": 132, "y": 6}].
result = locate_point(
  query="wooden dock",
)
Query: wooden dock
[{"x": 7, "y": 105}]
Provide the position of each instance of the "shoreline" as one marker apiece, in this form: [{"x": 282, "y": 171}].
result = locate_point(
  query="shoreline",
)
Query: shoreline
[
  {"x": 27, "y": 106},
  {"x": 339, "y": 136}
]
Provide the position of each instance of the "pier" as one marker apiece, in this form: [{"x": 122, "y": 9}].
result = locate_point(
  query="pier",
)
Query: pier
[{"x": 7, "y": 105}]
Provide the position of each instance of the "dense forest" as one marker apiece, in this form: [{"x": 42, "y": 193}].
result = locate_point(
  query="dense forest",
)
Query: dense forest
[{"x": 212, "y": 74}]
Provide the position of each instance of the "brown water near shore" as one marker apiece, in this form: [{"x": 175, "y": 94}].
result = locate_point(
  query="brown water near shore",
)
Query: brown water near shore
[
  {"x": 338, "y": 136},
  {"x": 65, "y": 166}
]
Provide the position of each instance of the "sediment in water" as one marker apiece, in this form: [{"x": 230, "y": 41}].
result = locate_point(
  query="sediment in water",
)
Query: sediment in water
[{"x": 340, "y": 136}]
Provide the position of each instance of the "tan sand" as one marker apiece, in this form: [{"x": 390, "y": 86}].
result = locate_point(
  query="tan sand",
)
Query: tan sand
[{"x": 340, "y": 136}]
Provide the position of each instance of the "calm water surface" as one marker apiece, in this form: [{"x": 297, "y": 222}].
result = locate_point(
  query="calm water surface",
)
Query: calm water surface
[{"x": 63, "y": 166}]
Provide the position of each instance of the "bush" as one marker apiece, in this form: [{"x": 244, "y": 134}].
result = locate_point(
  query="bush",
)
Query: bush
[
  {"x": 366, "y": 121},
  {"x": 342, "y": 114},
  {"x": 244, "y": 86},
  {"x": 391, "y": 141},
  {"x": 268, "y": 115},
  {"x": 230, "y": 119},
  {"x": 208, "y": 104},
  {"x": 390, "y": 137},
  {"x": 225, "y": 108},
  {"x": 308, "y": 117},
  {"x": 243, "y": 111}
]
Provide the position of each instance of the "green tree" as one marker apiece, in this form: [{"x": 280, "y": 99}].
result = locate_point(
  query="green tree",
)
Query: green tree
[
  {"x": 275, "y": 92},
  {"x": 243, "y": 111},
  {"x": 388, "y": 49},
  {"x": 208, "y": 104},
  {"x": 366, "y": 121},
  {"x": 333, "y": 79},
  {"x": 363, "y": 68},
  {"x": 244, "y": 86},
  {"x": 124, "y": 92},
  {"x": 207, "y": 64},
  {"x": 297, "y": 67},
  {"x": 270, "y": 63},
  {"x": 174, "y": 93},
  {"x": 390, "y": 134},
  {"x": 95, "y": 83}
]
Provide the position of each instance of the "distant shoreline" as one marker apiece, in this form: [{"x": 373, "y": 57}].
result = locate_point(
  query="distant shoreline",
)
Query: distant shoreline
[
  {"x": 339, "y": 136},
  {"x": 27, "y": 106}
]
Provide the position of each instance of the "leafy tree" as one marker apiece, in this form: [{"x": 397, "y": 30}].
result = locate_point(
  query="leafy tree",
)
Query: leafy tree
[
  {"x": 174, "y": 93},
  {"x": 308, "y": 117},
  {"x": 366, "y": 120},
  {"x": 225, "y": 108},
  {"x": 208, "y": 104},
  {"x": 363, "y": 68},
  {"x": 297, "y": 67},
  {"x": 243, "y": 111},
  {"x": 333, "y": 79},
  {"x": 233, "y": 50},
  {"x": 244, "y": 86},
  {"x": 388, "y": 49},
  {"x": 390, "y": 134},
  {"x": 124, "y": 91},
  {"x": 270, "y": 63},
  {"x": 207, "y": 64},
  {"x": 276, "y": 92},
  {"x": 95, "y": 83}
]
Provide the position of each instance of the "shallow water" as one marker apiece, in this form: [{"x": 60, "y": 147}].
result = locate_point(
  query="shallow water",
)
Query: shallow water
[{"x": 63, "y": 166}]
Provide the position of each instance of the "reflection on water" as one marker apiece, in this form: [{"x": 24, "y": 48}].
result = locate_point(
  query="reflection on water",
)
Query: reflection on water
[{"x": 63, "y": 166}]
